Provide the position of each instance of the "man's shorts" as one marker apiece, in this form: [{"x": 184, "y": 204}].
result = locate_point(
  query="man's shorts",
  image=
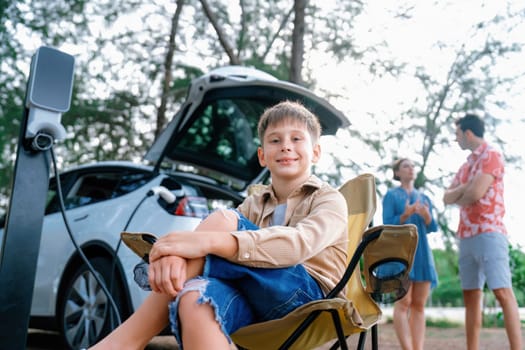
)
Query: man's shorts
[
  {"x": 484, "y": 258},
  {"x": 242, "y": 295}
]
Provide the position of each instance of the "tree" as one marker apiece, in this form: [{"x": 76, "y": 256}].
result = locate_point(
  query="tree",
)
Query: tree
[
  {"x": 423, "y": 126},
  {"x": 131, "y": 78}
]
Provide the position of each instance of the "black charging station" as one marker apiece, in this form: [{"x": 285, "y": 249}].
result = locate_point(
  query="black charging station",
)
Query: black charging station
[{"x": 48, "y": 95}]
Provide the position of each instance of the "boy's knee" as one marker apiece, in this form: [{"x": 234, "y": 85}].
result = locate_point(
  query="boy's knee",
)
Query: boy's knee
[
  {"x": 187, "y": 302},
  {"x": 226, "y": 219}
]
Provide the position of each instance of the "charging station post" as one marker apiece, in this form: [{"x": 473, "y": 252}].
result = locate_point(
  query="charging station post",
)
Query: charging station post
[{"x": 48, "y": 95}]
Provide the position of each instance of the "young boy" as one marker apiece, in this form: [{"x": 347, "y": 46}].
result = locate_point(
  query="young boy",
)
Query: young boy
[{"x": 279, "y": 249}]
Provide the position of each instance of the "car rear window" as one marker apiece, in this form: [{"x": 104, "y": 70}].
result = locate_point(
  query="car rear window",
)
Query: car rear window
[
  {"x": 222, "y": 139},
  {"x": 225, "y": 129}
]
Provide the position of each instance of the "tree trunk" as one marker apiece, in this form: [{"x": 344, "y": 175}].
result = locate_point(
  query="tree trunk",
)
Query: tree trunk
[
  {"x": 296, "y": 61},
  {"x": 168, "y": 66}
]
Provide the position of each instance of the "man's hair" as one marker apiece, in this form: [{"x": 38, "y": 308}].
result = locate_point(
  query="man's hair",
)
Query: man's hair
[
  {"x": 473, "y": 123},
  {"x": 289, "y": 110},
  {"x": 396, "y": 165}
]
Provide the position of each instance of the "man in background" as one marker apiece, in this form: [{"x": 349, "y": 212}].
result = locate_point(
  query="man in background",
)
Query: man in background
[{"x": 483, "y": 246}]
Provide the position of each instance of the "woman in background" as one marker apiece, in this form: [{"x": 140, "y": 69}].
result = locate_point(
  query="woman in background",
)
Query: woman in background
[{"x": 407, "y": 205}]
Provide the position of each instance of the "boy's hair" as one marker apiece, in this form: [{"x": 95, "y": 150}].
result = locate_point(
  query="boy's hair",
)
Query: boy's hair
[
  {"x": 473, "y": 123},
  {"x": 293, "y": 111}
]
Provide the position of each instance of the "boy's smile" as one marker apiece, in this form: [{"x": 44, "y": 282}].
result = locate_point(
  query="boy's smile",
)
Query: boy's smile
[{"x": 286, "y": 160}]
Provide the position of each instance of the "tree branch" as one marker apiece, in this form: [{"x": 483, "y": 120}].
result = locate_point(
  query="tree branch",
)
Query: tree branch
[{"x": 234, "y": 59}]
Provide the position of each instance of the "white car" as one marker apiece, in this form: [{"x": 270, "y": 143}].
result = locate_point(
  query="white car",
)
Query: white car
[{"x": 206, "y": 157}]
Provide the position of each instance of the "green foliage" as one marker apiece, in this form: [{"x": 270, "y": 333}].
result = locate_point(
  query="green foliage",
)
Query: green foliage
[
  {"x": 493, "y": 320},
  {"x": 517, "y": 265},
  {"x": 441, "y": 323},
  {"x": 448, "y": 292}
]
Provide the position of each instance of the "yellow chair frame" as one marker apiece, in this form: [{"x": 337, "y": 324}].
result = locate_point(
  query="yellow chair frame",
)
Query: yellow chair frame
[{"x": 349, "y": 307}]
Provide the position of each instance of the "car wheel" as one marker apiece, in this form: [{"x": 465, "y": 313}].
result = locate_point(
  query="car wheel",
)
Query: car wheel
[{"x": 85, "y": 314}]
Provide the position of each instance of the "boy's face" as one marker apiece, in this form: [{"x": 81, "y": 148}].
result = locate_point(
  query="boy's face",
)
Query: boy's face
[{"x": 287, "y": 150}]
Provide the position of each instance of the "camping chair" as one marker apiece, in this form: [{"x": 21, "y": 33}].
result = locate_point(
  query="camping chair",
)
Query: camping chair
[{"x": 320, "y": 321}]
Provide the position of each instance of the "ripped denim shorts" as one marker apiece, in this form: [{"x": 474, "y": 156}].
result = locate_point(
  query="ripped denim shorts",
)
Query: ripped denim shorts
[{"x": 242, "y": 295}]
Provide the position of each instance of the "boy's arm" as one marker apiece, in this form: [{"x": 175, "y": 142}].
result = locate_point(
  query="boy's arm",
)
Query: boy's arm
[
  {"x": 277, "y": 246},
  {"x": 195, "y": 244}
]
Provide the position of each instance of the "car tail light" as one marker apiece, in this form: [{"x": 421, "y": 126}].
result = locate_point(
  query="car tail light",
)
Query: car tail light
[{"x": 192, "y": 206}]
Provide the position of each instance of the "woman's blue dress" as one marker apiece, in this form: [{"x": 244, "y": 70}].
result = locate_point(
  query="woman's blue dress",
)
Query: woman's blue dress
[{"x": 394, "y": 203}]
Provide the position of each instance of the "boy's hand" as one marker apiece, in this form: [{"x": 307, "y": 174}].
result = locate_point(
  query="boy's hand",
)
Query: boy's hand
[
  {"x": 167, "y": 275},
  {"x": 186, "y": 244}
]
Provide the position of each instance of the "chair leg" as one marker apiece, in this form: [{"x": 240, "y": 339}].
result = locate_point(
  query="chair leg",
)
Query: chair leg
[
  {"x": 339, "y": 329},
  {"x": 362, "y": 340},
  {"x": 375, "y": 344}
]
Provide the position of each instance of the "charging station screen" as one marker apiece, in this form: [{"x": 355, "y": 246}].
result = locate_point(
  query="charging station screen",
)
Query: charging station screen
[{"x": 52, "y": 80}]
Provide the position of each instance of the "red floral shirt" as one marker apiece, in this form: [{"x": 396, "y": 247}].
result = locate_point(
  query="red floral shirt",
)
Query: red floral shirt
[{"x": 486, "y": 214}]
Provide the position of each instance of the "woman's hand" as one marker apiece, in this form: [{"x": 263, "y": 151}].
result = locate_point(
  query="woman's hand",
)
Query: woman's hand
[
  {"x": 409, "y": 210},
  {"x": 422, "y": 210}
]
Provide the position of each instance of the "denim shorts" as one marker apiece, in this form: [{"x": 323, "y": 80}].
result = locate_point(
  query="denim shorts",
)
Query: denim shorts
[
  {"x": 484, "y": 258},
  {"x": 242, "y": 295}
]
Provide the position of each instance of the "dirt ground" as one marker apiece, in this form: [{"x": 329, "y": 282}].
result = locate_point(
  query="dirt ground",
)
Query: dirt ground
[
  {"x": 436, "y": 339},
  {"x": 445, "y": 338}
]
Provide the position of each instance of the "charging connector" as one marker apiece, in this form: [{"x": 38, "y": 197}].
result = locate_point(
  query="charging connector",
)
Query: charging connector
[
  {"x": 42, "y": 142},
  {"x": 163, "y": 193}
]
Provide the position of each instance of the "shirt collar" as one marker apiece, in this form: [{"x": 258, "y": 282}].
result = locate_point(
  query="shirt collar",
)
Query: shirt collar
[
  {"x": 312, "y": 182},
  {"x": 478, "y": 151}
]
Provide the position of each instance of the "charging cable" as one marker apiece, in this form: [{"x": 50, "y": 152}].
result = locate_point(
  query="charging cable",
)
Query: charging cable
[
  {"x": 77, "y": 247},
  {"x": 165, "y": 194},
  {"x": 44, "y": 142}
]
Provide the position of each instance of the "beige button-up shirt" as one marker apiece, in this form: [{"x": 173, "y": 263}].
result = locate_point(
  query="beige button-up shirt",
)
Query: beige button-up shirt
[{"x": 315, "y": 232}]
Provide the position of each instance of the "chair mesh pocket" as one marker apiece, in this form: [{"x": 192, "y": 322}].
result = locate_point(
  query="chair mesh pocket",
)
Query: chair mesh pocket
[{"x": 388, "y": 280}]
